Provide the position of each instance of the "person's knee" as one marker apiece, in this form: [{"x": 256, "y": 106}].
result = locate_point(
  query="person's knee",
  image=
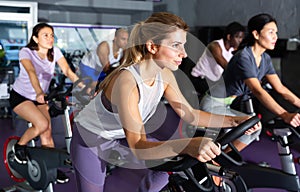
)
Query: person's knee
[{"x": 43, "y": 126}]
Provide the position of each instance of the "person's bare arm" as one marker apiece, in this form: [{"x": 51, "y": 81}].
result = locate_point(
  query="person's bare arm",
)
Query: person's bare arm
[
  {"x": 103, "y": 53},
  {"x": 291, "y": 118},
  {"x": 191, "y": 115},
  {"x": 27, "y": 64},
  {"x": 125, "y": 96},
  {"x": 283, "y": 90},
  {"x": 67, "y": 71},
  {"x": 65, "y": 68},
  {"x": 267, "y": 100},
  {"x": 216, "y": 52}
]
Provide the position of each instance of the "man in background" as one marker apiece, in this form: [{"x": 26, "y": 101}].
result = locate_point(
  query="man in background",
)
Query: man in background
[{"x": 100, "y": 61}]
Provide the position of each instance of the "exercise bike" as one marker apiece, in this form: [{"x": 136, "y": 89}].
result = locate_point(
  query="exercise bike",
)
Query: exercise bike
[
  {"x": 240, "y": 175},
  {"x": 39, "y": 174},
  {"x": 256, "y": 176},
  {"x": 198, "y": 175},
  {"x": 237, "y": 174}
]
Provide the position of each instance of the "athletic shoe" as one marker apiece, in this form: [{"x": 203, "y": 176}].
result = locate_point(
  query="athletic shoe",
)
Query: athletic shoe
[
  {"x": 61, "y": 177},
  {"x": 20, "y": 153}
]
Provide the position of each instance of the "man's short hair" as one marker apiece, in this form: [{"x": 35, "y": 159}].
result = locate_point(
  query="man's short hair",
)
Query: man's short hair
[{"x": 233, "y": 28}]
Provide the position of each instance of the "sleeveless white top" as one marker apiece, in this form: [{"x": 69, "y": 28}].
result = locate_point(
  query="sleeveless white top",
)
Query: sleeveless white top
[
  {"x": 92, "y": 60},
  {"x": 207, "y": 67},
  {"x": 97, "y": 119}
]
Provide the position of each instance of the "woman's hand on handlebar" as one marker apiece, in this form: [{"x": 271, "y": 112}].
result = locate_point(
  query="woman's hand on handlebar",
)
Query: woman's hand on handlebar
[
  {"x": 40, "y": 97},
  {"x": 203, "y": 149},
  {"x": 291, "y": 118},
  {"x": 253, "y": 129},
  {"x": 256, "y": 127}
]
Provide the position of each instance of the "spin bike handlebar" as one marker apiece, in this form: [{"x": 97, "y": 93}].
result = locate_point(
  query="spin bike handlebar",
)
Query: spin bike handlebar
[
  {"x": 57, "y": 95},
  {"x": 182, "y": 162},
  {"x": 280, "y": 124},
  {"x": 233, "y": 135},
  {"x": 238, "y": 131},
  {"x": 82, "y": 96}
]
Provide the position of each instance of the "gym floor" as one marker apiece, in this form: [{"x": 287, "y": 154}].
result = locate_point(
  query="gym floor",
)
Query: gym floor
[{"x": 264, "y": 150}]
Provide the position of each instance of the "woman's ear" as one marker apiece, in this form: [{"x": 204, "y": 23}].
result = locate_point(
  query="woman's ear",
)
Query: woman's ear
[
  {"x": 151, "y": 47},
  {"x": 255, "y": 34},
  {"x": 35, "y": 39}
]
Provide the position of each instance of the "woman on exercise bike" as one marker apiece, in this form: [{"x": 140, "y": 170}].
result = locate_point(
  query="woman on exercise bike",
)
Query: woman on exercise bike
[
  {"x": 115, "y": 119},
  {"x": 246, "y": 71},
  {"x": 37, "y": 64}
]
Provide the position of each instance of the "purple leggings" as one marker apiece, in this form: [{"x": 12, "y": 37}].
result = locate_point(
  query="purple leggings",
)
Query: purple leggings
[
  {"x": 90, "y": 168},
  {"x": 89, "y": 152}
]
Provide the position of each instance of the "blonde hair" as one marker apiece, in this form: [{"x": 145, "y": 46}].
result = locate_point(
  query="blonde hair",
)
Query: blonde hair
[{"x": 156, "y": 28}]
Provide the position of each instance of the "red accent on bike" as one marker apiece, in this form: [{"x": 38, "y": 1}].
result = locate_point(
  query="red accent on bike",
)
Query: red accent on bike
[{"x": 6, "y": 162}]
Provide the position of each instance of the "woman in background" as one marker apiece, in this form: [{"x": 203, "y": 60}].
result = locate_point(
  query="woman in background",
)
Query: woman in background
[{"x": 37, "y": 65}]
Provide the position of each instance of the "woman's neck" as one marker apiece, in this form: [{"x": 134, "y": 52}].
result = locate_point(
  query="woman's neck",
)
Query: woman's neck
[
  {"x": 257, "y": 50},
  {"x": 42, "y": 53},
  {"x": 148, "y": 70}
]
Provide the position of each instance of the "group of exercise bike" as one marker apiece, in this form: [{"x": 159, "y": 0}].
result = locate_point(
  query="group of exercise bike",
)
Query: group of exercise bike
[{"x": 119, "y": 138}]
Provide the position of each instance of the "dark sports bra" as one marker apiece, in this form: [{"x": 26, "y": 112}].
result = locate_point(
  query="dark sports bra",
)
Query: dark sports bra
[{"x": 107, "y": 104}]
